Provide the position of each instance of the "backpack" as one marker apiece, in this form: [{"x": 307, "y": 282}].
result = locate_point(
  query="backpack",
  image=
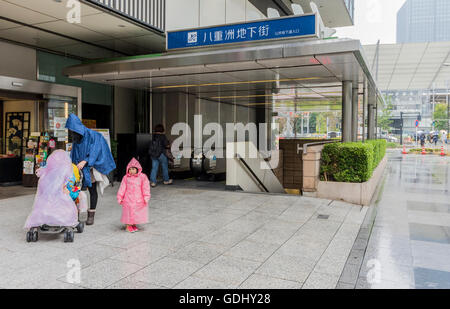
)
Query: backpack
[{"x": 155, "y": 148}]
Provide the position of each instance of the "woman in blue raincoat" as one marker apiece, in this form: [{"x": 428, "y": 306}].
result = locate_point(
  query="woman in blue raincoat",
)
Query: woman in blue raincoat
[{"x": 89, "y": 151}]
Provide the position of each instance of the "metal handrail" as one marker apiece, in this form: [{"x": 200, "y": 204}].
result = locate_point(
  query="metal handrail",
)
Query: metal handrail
[
  {"x": 251, "y": 172},
  {"x": 305, "y": 146}
]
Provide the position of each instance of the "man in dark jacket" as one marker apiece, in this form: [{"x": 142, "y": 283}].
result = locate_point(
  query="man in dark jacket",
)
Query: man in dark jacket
[
  {"x": 157, "y": 152},
  {"x": 422, "y": 140},
  {"x": 89, "y": 150},
  {"x": 435, "y": 139}
]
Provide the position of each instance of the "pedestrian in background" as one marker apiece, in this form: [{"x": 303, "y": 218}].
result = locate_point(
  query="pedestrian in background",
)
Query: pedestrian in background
[
  {"x": 435, "y": 139},
  {"x": 444, "y": 137},
  {"x": 159, "y": 152},
  {"x": 422, "y": 140}
]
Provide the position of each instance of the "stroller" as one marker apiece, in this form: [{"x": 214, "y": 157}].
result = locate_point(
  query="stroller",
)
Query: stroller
[
  {"x": 69, "y": 231},
  {"x": 54, "y": 211}
]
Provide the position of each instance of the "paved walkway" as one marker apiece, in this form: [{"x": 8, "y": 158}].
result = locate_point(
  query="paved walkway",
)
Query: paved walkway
[
  {"x": 196, "y": 239},
  {"x": 409, "y": 246},
  {"x": 15, "y": 191}
]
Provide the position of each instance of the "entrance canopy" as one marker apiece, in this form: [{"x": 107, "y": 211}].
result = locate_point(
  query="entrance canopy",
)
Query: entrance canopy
[{"x": 296, "y": 70}]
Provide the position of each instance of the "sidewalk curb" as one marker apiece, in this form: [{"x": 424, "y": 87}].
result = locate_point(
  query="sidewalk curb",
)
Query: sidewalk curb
[{"x": 350, "y": 274}]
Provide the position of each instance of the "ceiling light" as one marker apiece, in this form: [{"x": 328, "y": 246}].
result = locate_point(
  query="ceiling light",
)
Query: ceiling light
[
  {"x": 239, "y": 83},
  {"x": 277, "y": 95}
]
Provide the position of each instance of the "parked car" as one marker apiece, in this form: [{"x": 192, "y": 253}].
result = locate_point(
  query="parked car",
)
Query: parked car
[
  {"x": 333, "y": 134},
  {"x": 389, "y": 138}
]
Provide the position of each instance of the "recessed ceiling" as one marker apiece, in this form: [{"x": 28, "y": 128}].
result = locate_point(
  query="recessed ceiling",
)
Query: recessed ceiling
[{"x": 43, "y": 24}]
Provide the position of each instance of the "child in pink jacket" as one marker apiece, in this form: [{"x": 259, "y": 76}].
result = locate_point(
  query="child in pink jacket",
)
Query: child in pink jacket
[{"x": 134, "y": 195}]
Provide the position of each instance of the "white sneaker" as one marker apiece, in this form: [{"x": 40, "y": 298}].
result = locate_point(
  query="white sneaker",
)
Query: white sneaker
[{"x": 168, "y": 182}]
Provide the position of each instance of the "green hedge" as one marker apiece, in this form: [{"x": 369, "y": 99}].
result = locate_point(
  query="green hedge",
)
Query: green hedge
[
  {"x": 391, "y": 145},
  {"x": 379, "y": 150},
  {"x": 351, "y": 162}
]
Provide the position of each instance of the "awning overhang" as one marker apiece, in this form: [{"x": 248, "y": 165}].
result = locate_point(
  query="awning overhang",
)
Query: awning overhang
[{"x": 309, "y": 66}]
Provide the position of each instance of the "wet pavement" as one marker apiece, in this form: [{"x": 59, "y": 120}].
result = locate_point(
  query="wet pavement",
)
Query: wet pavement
[
  {"x": 196, "y": 238},
  {"x": 15, "y": 191},
  {"x": 409, "y": 244},
  {"x": 201, "y": 236}
]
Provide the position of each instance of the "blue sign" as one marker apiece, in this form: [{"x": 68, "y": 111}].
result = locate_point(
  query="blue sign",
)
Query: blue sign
[
  {"x": 270, "y": 29},
  {"x": 417, "y": 123}
]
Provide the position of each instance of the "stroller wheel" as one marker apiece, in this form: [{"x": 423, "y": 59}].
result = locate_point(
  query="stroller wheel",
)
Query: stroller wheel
[
  {"x": 68, "y": 235},
  {"x": 80, "y": 227},
  {"x": 29, "y": 236},
  {"x": 35, "y": 236}
]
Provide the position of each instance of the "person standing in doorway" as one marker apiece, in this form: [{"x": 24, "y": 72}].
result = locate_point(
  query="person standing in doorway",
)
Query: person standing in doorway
[
  {"x": 91, "y": 153},
  {"x": 158, "y": 153}
]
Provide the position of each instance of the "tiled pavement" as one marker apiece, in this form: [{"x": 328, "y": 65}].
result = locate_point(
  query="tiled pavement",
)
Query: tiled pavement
[
  {"x": 15, "y": 191},
  {"x": 196, "y": 239},
  {"x": 217, "y": 239},
  {"x": 409, "y": 244}
]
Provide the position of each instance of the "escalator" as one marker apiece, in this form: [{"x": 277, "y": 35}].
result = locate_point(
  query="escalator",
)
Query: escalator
[{"x": 248, "y": 170}]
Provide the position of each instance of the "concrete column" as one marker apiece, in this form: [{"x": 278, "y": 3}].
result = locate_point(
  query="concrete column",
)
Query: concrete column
[
  {"x": 371, "y": 112},
  {"x": 365, "y": 96},
  {"x": 347, "y": 111},
  {"x": 355, "y": 101},
  {"x": 307, "y": 124},
  {"x": 303, "y": 125}
]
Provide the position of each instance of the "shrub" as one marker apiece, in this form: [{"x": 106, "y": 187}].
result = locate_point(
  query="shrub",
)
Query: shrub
[
  {"x": 379, "y": 150},
  {"x": 426, "y": 150},
  {"x": 347, "y": 162},
  {"x": 351, "y": 162},
  {"x": 391, "y": 145}
]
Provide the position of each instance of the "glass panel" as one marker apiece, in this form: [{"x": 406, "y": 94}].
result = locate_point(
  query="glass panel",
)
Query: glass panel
[{"x": 56, "y": 110}]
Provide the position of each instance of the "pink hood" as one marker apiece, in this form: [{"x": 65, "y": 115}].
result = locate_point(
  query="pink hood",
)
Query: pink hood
[{"x": 134, "y": 163}]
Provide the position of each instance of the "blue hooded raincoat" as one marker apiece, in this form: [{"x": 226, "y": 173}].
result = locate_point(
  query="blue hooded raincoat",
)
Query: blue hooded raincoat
[{"x": 93, "y": 149}]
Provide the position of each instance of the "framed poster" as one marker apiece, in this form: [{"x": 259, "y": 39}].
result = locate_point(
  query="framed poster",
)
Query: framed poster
[{"x": 17, "y": 129}]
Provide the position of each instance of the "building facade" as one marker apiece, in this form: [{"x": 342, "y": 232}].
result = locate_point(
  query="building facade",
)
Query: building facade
[
  {"x": 47, "y": 36},
  {"x": 423, "y": 21}
]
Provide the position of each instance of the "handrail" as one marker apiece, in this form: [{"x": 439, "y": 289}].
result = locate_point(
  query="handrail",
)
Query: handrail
[
  {"x": 305, "y": 146},
  {"x": 251, "y": 172}
]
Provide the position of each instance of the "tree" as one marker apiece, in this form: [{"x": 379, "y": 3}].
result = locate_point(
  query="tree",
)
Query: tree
[
  {"x": 313, "y": 122},
  {"x": 384, "y": 120},
  {"x": 440, "y": 117}
]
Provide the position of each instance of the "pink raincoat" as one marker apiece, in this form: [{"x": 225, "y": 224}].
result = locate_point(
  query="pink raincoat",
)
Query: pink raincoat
[
  {"x": 133, "y": 195},
  {"x": 51, "y": 205}
]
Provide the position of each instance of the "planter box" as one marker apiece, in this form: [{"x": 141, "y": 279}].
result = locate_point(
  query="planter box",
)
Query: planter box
[{"x": 355, "y": 193}]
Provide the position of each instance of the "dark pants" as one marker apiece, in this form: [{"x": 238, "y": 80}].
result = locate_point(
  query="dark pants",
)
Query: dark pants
[{"x": 93, "y": 196}]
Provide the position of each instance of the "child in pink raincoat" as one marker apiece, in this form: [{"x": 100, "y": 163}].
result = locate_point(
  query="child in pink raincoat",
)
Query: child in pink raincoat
[{"x": 134, "y": 195}]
